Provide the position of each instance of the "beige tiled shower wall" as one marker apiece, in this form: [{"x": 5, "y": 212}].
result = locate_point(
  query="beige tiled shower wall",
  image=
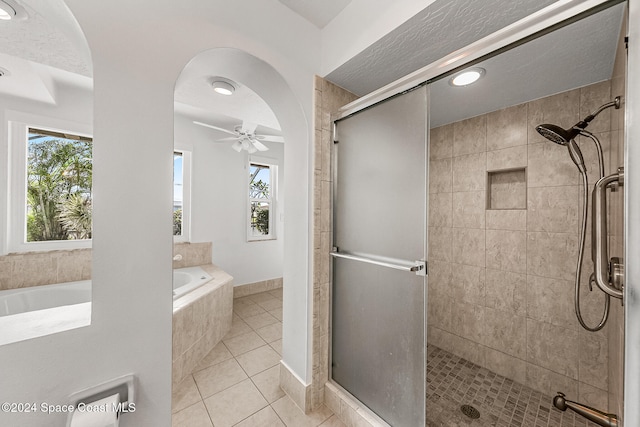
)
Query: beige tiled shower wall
[
  {"x": 616, "y": 229},
  {"x": 501, "y": 281},
  {"x": 328, "y": 99}
]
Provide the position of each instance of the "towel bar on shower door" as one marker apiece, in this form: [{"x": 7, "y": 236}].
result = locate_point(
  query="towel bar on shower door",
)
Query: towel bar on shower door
[{"x": 419, "y": 267}]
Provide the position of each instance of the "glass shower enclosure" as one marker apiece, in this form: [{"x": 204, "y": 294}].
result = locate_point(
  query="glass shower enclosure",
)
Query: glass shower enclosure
[{"x": 379, "y": 276}]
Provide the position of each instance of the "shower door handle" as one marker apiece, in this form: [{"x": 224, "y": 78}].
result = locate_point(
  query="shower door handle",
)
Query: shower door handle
[
  {"x": 608, "y": 278},
  {"x": 418, "y": 267}
]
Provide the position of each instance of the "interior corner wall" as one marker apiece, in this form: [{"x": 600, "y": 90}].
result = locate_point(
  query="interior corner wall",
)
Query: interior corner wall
[{"x": 219, "y": 204}]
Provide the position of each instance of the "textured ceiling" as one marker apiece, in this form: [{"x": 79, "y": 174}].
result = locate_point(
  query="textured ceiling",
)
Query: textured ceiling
[
  {"x": 43, "y": 55},
  {"x": 319, "y": 13},
  {"x": 51, "y": 41},
  {"x": 571, "y": 57},
  {"x": 443, "y": 27}
]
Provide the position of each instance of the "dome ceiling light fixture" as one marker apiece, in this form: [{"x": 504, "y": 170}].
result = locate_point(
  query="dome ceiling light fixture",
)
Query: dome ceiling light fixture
[
  {"x": 222, "y": 87},
  {"x": 11, "y": 10},
  {"x": 7, "y": 12},
  {"x": 467, "y": 77}
]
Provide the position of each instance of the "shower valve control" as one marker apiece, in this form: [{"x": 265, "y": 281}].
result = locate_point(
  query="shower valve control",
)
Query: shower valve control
[{"x": 616, "y": 273}]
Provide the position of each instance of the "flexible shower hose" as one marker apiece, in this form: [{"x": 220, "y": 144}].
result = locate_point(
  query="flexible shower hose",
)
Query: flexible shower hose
[{"x": 583, "y": 232}]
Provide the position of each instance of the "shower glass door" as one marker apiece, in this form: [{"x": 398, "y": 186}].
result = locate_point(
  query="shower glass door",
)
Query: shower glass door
[{"x": 378, "y": 289}]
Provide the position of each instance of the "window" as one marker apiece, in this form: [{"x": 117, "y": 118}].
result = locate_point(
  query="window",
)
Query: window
[
  {"x": 51, "y": 171},
  {"x": 51, "y": 175},
  {"x": 181, "y": 195},
  {"x": 58, "y": 196},
  {"x": 262, "y": 192}
]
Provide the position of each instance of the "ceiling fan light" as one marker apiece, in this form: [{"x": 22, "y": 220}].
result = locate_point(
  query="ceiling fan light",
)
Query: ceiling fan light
[
  {"x": 222, "y": 87},
  {"x": 237, "y": 146}
]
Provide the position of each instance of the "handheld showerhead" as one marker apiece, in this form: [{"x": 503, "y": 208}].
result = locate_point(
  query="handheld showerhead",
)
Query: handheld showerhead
[
  {"x": 562, "y": 136},
  {"x": 558, "y": 135},
  {"x": 554, "y": 133}
]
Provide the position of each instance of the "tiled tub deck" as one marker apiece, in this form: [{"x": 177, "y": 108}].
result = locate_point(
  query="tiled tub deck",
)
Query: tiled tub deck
[{"x": 453, "y": 382}]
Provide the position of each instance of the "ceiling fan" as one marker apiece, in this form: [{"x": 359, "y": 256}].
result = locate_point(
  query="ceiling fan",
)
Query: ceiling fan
[{"x": 245, "y": 137}]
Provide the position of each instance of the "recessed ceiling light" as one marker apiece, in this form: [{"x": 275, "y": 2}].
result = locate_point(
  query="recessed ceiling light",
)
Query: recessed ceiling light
[
  {"x": 6, "y": 11},
  {"x": 467, "y": 76},
  {"x": 223, "y": 88}
]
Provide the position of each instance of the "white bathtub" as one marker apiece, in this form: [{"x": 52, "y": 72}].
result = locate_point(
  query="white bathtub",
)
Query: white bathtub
[
  {"x": 42, "y": 310},
  {"x": 36, "y": 298},
  {"x": 187, "y": 279}
]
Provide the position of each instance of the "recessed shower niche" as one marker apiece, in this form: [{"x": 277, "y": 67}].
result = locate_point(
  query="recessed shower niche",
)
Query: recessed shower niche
[{"x": 507, "y": 189}]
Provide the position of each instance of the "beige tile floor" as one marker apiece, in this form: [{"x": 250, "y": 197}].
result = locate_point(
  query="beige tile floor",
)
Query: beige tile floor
[{"x": 236, "y": 384}]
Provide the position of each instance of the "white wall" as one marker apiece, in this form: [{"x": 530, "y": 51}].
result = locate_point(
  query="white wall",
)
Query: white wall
[
  {"x": 139, "y": 49},
  {"x": 219, "y": 204}
]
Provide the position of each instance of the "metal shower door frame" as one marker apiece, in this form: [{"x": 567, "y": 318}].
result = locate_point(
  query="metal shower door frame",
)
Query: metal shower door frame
[
  {"x": 556, "y": 15},
  {"x": 631, "y": 415}
]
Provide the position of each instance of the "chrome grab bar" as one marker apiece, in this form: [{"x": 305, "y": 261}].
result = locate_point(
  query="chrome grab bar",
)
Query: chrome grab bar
[
  {"x": 419, "y": 267},
  {"x": 608, "y": 277}
]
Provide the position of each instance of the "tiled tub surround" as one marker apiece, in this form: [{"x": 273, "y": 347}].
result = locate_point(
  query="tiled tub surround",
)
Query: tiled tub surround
[
  {"x": 200, "y": 319},
  {"x": 501, "y": 280},
  {"x": 22, "y": 270},
  {"x": 193, "y": 254}
]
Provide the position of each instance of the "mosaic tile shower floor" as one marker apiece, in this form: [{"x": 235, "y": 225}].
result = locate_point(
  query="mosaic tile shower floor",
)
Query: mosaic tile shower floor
[{"x": 453, "y": 382}]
